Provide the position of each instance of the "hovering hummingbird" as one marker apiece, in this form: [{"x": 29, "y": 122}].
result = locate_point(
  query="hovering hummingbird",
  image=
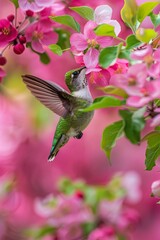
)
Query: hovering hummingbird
[{"x": 66, "y": 105}]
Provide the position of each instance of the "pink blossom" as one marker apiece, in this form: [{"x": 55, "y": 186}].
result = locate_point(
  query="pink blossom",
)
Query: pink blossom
[
  {"x": 155, "y": 187},
  {"x": 131, "y": 183},
  {"x": 102, "y": 233},
  {"x": 155, "y": 121},
  {"x": 100, "y": 77},
  {"x": 142, "y": 53},
  {"x": 103, "y": 14},
  {"x": 133, "y": 80},
  {"x": 147, "y": 93},
  {"x": 34, "y": 5},
  {"x": 2, "y": 74},
  {"x": 89, "y": 40},
  {"x": 71, "y": 232},
  {"x": 65, "y": 210},
  {"x": 110, "y": 210},
  {"x": 7, "y": 32},
  {"x": 40, "y": 34}
]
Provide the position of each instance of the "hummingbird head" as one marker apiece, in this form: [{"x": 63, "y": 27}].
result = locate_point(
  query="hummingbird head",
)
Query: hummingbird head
[{"x": 76, "y": 79}]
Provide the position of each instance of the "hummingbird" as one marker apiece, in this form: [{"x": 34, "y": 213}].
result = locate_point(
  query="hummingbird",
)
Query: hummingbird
[{"x": 67, "y": 105}]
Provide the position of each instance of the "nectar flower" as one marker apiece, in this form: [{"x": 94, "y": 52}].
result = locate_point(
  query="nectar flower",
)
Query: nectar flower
[
  {"x": 7, "y": 32},
  {"x": 34, "y": 5},
  {"x": 40, "y": 34}
]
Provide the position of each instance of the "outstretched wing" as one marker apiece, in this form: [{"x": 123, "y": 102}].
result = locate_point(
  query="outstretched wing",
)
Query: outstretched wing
[{"x": 51, "y": 95}]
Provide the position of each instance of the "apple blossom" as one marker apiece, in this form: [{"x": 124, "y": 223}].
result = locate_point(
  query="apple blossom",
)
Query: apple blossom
[
  {"x": 34, "y": 5},
  {"x": 7, "y": 32},
  {"x": 39, "y": 34}
]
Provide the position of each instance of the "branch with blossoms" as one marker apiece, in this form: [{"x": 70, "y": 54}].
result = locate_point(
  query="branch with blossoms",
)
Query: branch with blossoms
[{"x": 127, "y": 70}]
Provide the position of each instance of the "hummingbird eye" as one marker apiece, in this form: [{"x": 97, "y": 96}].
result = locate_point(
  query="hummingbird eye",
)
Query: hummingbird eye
[{"x": 74, "y": 74}]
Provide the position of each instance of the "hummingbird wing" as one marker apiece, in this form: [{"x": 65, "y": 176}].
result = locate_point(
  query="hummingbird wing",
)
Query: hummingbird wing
[{"x": 50, "y": 94}]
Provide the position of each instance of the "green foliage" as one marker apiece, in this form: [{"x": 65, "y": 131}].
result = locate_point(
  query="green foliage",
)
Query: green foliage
[
  {"x": 84, "y": 11},
  {"x": 68, "y": 21},
  {"x": 145, "y": 35},
  {"x": 63, "y": 38},
  {"x": 44, "y": 58},
  {"x": 153, "y": 148},
  {"x": 133, "y": 124},
  {"x": 108, "y": 55},
  {"x": 15, "y": 2},
  {"x": 155, "y": 18},
  {"x": 145, "y": 9},
  {"x": 56, "y": 49},
  {"x": 40, "y": 233},
  {"x": 129, "y": 13},
  {"x": 105, "y": 30},
  {"x": 110, "y": 136},
  {"x": 132, "y": 42},
  {"x": 104, "y": 102},
  {"x": 113, "y": 90}
]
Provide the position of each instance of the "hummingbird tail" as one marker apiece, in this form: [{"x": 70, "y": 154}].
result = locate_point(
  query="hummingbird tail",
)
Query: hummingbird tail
[{"x": 55, "y": 148}]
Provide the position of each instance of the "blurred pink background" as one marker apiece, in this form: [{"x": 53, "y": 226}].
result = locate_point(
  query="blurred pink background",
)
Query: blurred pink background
[{"x": 26, "y": 131}]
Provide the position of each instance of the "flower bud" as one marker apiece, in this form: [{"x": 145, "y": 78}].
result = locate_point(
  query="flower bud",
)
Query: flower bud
[
  {"x": 3, "y": 60},
  {"x": 18, "y": 48},
  {"x": 79, "y": 194},
  {"x": 22, "y": 39},
  {"x": 156, "y": 189},
  {"x": 29, "y": 13},
  {"x": 10, "y": 17}
]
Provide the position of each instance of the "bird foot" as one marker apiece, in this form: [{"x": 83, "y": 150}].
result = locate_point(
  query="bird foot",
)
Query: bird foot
[{"x": 79, "y": 135}]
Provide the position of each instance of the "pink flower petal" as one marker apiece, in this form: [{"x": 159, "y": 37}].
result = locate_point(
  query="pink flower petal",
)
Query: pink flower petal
[
  {"x": 102, "y": 14},
  {"x": 49, "y": 38},
  {"x": 37, "y": 46},
  {"x": 88, "y": 30},
  {"x": 78, "y": 41},
  {"x": 142, "y": 53},
  {"x": 104, "y": 41},
  {"x": 91, "y": 58},
  {"x": 136, "y": 101},
  {"x": 155, "y": 121}
]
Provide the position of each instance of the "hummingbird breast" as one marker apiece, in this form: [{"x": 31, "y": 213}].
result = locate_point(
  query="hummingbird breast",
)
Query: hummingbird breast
[{"x": 79, "y": 122}]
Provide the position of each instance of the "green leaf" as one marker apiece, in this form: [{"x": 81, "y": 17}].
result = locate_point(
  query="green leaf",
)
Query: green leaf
[
  {"x": 145, "y": 9},
  {"x": 104, "y": 102},
  {"x": 155, "y": 18},
  {"x": 113, "y": 90},
  {"x": 153, "y": 138},
  {"x": 56, "y": 49},
  {"x": 105, "y": 30},
  {"x": 108, "y": 55},
  {"x": 110, "y": 136},
  {"x": 125, "y": 54},
  {"x": 129, "y": 13},
  {"x": 44, "y": 58},
  {"x": 134, "y": 123},
  {"x": 132, "y": 42},
  {"x": 84, "y": 11},
  {"x": 68, "y": 21},
  {"x": 15, "y": 2},
  {"x": 63, "y": 38},
  {"x": 152, "y": 153},
  {"x": 145, "y": 35}
]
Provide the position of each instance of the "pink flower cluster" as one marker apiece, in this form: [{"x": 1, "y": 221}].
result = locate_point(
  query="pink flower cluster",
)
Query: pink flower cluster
[
  {"x": 142, "y": 80},
  {"x": 35, "y": 30},
  {"x": 86, "y": 46},
  {"x": 68, "y": 214}
]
